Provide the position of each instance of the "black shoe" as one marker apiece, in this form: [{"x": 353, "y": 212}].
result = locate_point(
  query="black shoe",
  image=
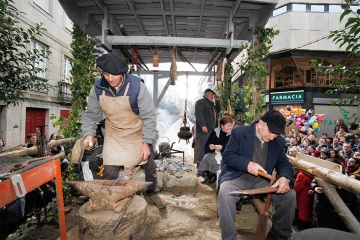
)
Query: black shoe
[
  {"x": 274, "y": 235},
  {"x": 206, "y": 179},
  {"x": 212, "y": 178}
]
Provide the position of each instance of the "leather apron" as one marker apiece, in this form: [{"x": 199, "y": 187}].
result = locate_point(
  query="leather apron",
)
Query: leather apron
[{"x": 123, "y": 131}]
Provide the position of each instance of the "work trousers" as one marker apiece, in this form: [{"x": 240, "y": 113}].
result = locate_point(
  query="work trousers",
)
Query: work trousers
[
  {"x": 284, "y": 207},
  {"x": 201, "y": 139},
  {"x": 112, "y": 172}
]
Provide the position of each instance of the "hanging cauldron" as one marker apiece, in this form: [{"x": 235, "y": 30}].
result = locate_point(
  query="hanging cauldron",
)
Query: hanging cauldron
[{"x": 185, "y": 133}]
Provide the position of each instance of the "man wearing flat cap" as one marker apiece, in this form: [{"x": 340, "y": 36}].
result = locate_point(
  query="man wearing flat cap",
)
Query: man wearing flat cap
[
  {"x": 130, "y": 126},
  {"x": 206, "y": 113},
  {"x": 254, "y": 148}
]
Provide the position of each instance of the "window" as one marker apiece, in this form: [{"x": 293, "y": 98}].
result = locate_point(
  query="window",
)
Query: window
[
  {"x": 66, "y": 70},
  {"x": 44, "y": 5},
  {"x": 298, "y": 7},
  {"x": 68, "y": 23},
  {"x": 41, "y": 61},
  {"x": 335, "y": 9},
  {"x": 317, "y": 8},
  {"x": 279, "y": 11}
]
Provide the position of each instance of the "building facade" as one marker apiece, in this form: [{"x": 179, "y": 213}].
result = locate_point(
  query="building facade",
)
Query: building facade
[
  {"x": 304, "y": 29},
  {"x": 18, "y": 121}
]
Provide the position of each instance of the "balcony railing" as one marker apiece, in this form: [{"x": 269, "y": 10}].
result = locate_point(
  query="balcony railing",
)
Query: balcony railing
[{"x": 64, "y": 91}]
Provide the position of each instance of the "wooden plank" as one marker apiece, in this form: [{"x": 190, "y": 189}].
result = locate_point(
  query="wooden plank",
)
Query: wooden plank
[{"x": 322, "y": 163}]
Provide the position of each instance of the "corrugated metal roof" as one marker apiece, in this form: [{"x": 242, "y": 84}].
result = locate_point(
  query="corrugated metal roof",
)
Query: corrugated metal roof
[{"x": 199, "y": 28}]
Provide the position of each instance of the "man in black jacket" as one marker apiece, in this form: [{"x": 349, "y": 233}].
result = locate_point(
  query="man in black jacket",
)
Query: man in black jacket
[
  {"x": 206, "y": 113},
  {"x": 254, "y": 148}
]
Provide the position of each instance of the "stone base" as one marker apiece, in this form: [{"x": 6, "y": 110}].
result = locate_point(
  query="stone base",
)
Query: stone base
[{"x": 100, "y": 224}]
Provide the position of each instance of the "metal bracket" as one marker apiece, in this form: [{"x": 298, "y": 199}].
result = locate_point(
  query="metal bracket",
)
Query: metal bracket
[{"x": 18, "y": 185}]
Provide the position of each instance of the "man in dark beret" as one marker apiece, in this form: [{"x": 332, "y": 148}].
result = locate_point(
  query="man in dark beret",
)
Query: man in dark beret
[
  {"x": 251, "y": 149},
  {"x": 130, "y": 126},
  {"x": 206, "y": 113}
]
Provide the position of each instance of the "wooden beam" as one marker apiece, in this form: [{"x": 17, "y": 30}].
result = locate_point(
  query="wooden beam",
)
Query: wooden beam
[{"x": 345, "y": 214}]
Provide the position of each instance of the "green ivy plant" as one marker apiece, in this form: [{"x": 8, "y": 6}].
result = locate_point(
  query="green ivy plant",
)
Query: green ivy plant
[
  {"x": 83, "y": 78},
  {"x": 255, "y": 71},
  {"x": 17, "y": 62},
  {"x": 225, "y": 91}
]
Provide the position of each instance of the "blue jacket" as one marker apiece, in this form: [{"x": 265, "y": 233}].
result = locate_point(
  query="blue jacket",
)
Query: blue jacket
[{"x": 239, "y": 152}]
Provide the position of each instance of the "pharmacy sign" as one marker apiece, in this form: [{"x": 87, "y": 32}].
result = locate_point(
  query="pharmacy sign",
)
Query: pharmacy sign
[{"x": 283, "y": 97}]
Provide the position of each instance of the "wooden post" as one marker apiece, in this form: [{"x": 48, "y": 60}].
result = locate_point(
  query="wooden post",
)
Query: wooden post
[
  {"x": 33, "y": 150},
  {"x": 328, "y": 175},
  {"x": 345, "y": 214}
]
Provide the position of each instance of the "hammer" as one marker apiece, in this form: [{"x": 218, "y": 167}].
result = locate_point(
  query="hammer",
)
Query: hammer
[{"x": 77, "y": 152}]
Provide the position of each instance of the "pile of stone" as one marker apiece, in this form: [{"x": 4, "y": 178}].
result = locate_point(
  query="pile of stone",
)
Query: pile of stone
[{"x": 172, "y": 165}]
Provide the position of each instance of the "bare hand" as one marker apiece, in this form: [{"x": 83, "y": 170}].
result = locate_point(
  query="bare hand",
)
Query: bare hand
[
  {"x": 254, "y": 168},
  {"x": 217, "y": 97},
  {"x": 283, "y": 185},
  {"x": 204, "y": 129},
  {"x": 145, "y": 152},
  {"x": 88, "y": 141}
]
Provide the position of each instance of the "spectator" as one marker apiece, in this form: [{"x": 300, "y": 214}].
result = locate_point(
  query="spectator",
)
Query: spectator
[
  {"x": 206, "y": 113},
  {"x": 31, "y": 140},
  {"x": 336, "y": 144},
  {"x": 353, "y": 127},
  {"x": 293, "y": 151},
  {"x": 353, "y": 168},
  {"x": 329, "y": 141},
  {"x": 305, "y": 144},
  {"x": 337, "y": 158},
  {"x": 313, "y": 151},
  {"x": 346, "y": 152},
  {"x": 313, "y": 140},
  {"x": 341, "y": 132},
  {"x": 322, "y": 144},
  {"x": 325, "y": 154},
  {"x": 304, "y": 200},
  {"x": 324, "y": 135},
  {"x": 53, "y": 137},
  {"x": 340, "y": 122},
  {"x": 2, "y": 144},
  {"x": 217, "y": 141}
]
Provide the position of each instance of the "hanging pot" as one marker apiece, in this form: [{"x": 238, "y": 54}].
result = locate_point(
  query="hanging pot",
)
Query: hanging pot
[
  {"x": 185, "y": 132},
  {"x": 164, "y": 146}
]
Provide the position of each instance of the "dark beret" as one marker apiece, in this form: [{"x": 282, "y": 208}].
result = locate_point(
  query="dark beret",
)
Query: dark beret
[
  {"x": 275, "y": 121},
  {"x": 112, "y": 64}
]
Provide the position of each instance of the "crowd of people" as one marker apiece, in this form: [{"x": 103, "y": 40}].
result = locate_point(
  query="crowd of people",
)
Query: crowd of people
[{"x": 343, "y": 148}]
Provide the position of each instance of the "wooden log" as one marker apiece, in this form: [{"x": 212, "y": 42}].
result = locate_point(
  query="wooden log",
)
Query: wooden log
[
  {"x": 173, "y": 67},
  {"x": 328, "y": 175},
  {"x": 345, "y": 214},
  {"x": 100, "y": 224},
  {"x": 33, "y": 150}
]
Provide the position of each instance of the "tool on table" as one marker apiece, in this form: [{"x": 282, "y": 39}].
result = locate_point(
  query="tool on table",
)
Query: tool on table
[{"x": 78, "y": 150}]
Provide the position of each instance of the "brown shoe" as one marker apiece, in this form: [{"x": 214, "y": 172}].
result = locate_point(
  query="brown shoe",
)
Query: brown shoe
[{"x": 158, "y": 201}]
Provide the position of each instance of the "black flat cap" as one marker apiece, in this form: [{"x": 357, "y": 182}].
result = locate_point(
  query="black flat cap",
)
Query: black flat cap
[
  {"x": 209, "y": 90},
  {"x": 275, "y": 121},
  {"x": 112, "y": 64}
]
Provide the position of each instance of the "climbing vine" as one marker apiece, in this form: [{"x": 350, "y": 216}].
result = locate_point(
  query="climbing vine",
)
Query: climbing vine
[
  {"x": 83, "y": 78},
  {"x": 255, "y": 71},
  {"x": 225, "y": 88}
]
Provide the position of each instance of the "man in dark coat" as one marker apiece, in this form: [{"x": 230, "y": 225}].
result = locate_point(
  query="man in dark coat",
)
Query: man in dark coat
[
  {"x": 206, "y": 113},
  {"x": 251, "y": 149}
]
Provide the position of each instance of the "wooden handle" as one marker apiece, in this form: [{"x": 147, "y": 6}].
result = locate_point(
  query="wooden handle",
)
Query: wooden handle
[{"x": 265, "y": 175}]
